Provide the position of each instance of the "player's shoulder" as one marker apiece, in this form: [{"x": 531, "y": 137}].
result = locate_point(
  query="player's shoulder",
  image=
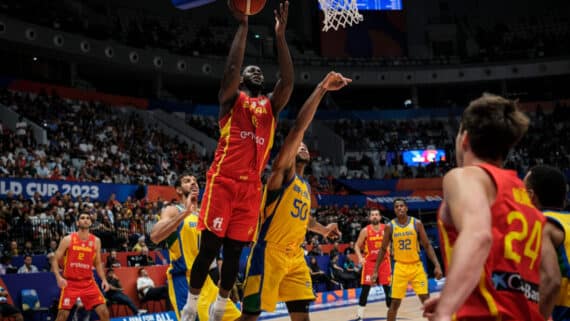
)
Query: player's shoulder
[{"x": 458, "y": 177}]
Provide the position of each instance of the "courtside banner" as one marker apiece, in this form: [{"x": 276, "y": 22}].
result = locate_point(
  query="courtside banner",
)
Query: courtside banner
[
  {"x": 48, "y": 188},
  {"x": 341, "y": 298},
  {"x": 162, "y": 316}
]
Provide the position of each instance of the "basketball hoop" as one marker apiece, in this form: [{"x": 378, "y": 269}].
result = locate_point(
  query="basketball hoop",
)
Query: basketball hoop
[{"x": 340, "y": 13}]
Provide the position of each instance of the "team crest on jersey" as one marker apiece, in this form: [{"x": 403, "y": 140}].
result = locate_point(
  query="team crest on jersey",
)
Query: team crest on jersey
[
  {"x": 218, "y": 223},
  {"x": 263, "y": 102}
]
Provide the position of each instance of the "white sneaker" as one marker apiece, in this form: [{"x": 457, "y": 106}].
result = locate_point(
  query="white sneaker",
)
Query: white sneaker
[
  {"x": 215, "y": 314},
  {"x": 187, "y": 314},
  {"x": 142, "y": 311}
]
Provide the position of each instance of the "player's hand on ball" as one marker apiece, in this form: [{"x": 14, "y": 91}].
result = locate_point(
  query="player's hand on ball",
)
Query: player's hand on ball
[
  {"x": 240, "y": 17},
  {"x": 332, "y": 231},
  {"x": 437, "y": 273}
]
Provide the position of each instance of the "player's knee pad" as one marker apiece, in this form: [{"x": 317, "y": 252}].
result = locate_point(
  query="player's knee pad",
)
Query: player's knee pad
[
  {"x": 387, "y": 295},
  {"x": 364, "y": 295},
  {"x": 299, "y": 306},
  {"x": 232, "y": 253}
]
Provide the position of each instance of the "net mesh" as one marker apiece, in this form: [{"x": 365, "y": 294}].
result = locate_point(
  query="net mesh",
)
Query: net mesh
[{"x": 340, "y": 13}]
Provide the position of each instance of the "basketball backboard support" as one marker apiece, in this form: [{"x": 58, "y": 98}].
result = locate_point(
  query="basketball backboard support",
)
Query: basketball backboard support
[{"x": 189, "y": 4}]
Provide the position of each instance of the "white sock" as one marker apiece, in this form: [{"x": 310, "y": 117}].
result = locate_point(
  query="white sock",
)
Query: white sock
[
  {"x": 360, "y": 312},
  {"x": 220, "y": 303},
  {"x": 192, "y": 301}
]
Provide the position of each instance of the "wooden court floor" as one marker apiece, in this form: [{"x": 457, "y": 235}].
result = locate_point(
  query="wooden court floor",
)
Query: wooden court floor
[{"x": 410, "y": 310}]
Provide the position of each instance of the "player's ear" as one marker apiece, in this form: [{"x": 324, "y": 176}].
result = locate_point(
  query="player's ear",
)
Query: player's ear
[{"x": 465, "y": 140}]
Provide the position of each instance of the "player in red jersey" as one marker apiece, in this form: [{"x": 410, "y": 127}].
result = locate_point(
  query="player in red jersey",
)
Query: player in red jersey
[
  {"x": 491, "y": 234},
  {"x": 232, "y": 197},
  {"x": 371, "y": 237},
  {"x": 80, "y": 251}
]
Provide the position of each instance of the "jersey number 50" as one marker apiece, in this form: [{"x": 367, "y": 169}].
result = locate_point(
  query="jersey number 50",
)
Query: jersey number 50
[
  {"x": 532, "y": 244},
  {"x": 301, "y": 209}
]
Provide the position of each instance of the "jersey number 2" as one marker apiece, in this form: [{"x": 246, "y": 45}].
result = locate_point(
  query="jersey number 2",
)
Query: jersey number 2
[{"x": 532, "y": 244}]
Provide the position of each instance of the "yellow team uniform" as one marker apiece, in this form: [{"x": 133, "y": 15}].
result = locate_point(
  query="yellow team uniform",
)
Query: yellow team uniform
[
  {"x": 183, "y": 248},
  {"x": 562, "y": 308},
  {"x": 277, "y": 270},
  {"x": 408, "y": 267}
]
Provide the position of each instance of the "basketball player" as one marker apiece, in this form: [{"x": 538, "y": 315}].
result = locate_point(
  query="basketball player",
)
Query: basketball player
[
  {"x": 233, "y": 193},
  {"x": 371, "y": 237},
  {"x": 177, "y": 225},
  {"x": 277, "y": 270},
  {"x": 406, "y": 233},
  {"x": 489, "y": 230},
  {"x": 546, "y": 187},
  {"x": 82, "y": 252}
]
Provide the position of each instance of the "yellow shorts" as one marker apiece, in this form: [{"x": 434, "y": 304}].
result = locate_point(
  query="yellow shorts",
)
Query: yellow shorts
[
  {"x": 178, "y": 293},
  {"x": 405, "y": 273},
  {"x": 276, "y": 274}
]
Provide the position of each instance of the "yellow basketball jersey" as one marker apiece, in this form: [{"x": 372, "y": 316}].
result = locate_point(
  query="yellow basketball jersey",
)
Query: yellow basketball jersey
[
  {"x": 562, "y": 220},
  {"x": 286, "y": 214},
  {"x": 183, "y": 244},
  {"x": 405, "y": 245}
]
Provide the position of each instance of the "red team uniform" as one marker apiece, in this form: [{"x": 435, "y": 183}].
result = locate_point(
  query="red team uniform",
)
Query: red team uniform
[
  {"x": 508, "y": 288},
  {"x": 78, "y": 271},
  {"x": 371, "y": 249},
  {"x": 233, "y": 188}
]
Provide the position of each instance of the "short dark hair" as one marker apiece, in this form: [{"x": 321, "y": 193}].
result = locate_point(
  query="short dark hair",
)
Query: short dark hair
[
  {"x": 549, "y": 185},
  {"x": 178, "y": 181},
  {"x": 494, "y": 125},
  {"x": 399, "y": 199},
  {"x": 374, "y": 209}
]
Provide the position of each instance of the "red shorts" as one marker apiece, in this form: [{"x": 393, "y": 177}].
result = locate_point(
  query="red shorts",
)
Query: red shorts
[
  {"x": 384, "y": 272},
  {"x": 87, "y": 290},
  {"x": 230, "y": 208}
]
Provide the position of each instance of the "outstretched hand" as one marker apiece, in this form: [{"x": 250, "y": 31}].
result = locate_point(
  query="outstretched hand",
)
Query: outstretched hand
[
  {"x": 334, "y": 81},
  {"x": 332, "y": 231},
  {"x": 281, "y": 18}
]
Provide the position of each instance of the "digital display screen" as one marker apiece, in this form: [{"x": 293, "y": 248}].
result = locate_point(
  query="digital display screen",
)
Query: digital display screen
[
  {"x": 189, "y": 4},
  {"x": 423, "y": 157},
  {"x": 379, "y": 4}
]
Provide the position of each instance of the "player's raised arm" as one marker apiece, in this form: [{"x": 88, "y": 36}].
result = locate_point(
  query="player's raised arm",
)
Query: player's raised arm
[
  {"x": 281, "y": 170},
  {"x": 284, "y": 86},
  {"x": 231, "y": 78}
]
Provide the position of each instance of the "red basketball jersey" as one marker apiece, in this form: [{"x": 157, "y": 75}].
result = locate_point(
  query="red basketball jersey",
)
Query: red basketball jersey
[
  {"x": 246, "y": 137},
  {"x": 508, "y": 287},
  {"x": 78, "y": 261},
  {"x": 374, "y": 242}
]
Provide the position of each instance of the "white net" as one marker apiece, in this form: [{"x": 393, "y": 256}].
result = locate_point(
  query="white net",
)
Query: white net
[{"x": 340, "y": 13}]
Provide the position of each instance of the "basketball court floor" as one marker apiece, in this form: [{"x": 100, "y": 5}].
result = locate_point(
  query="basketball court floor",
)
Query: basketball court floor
[{"x": 410, "y": 310}]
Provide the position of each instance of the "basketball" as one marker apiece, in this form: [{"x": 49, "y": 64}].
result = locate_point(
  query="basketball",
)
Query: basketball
[{"x": 247, "y": 7}]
